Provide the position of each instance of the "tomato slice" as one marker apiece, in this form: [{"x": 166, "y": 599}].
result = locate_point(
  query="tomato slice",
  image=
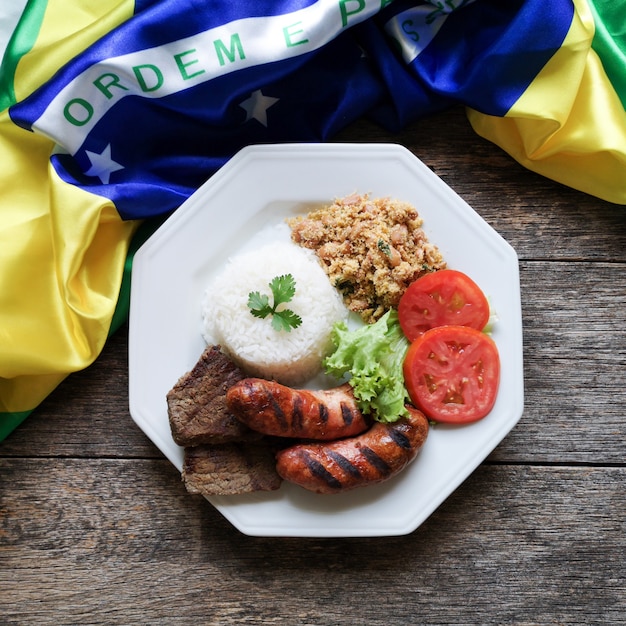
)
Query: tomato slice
[
  {"x": 452, "y": 374},
  {"x": 441, "y": 298}
]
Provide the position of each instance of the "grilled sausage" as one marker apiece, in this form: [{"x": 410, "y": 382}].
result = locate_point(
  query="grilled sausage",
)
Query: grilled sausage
[
  {"x": 274, "y": 409},
  {"x": 376, "y": 455}
]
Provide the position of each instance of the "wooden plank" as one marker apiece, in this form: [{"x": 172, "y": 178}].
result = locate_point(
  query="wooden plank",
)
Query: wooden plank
[
  {"x": 111, "y": 541},
  {"x": 575, "y": 359}
]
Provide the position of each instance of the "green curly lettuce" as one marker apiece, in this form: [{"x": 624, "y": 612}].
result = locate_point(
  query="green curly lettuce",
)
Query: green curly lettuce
[{"x": 372, "y": 357}]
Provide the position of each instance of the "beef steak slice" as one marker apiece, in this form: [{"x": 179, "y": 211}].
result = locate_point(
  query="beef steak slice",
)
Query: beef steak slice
[
  {"x": 196, "y": 404},
  {"x": 230, "y": 469}
]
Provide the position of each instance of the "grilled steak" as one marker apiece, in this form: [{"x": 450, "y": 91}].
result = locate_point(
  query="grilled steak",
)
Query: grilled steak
[
  {"x": 230, "y": 468},
  {"x": 197, "y": 403}
]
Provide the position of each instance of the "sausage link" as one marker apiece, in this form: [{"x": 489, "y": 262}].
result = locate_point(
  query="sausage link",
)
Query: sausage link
[
  {"x": 376, "y": 455},
  {"x": 274, "y": 409}
]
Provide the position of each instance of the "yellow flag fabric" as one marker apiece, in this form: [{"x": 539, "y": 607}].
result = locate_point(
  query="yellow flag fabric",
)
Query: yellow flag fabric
[
  {"x": 570, "y": 124},
  {"x": 62, "y": 249}
]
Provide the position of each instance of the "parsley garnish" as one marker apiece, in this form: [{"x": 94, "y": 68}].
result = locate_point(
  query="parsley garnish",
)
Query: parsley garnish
[
  {"x": 383, "y": 246},
  {"x": 283, "y": 289}
]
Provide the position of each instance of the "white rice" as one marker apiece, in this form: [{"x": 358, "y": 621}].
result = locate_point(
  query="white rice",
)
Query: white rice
[{"x": 288, "y": 357}]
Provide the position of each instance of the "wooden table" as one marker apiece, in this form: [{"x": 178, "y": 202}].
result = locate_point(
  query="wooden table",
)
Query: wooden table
[{"x": 96, "y": 527}]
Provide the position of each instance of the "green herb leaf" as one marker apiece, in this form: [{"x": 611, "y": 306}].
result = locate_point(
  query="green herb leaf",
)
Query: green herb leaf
[
  {"x": 383, "y": 246},
  {"x": 283, "y": 289},
  {"x": 285, "y": 320},
  {"x": 259, "y": 304}
]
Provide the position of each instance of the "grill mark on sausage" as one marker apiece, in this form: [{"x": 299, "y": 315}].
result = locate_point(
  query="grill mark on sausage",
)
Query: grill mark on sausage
[
  {"x": 347, "y": 413},
  {"x": 319, "y": 471},
  {"x": 278, "y": 411},
  {"x": 344, "y": 463},
  {"x": 296, "y": 414},
  {"x": 376, "y": 461},
  {"x": 399, "y": 438},
  {"x": 323, "y": 412}
]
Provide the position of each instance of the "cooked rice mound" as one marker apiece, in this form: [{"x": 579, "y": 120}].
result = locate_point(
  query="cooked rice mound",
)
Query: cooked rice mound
[
  {"x": 288, "y": 357},
  {"x": 371, "y": 248}
]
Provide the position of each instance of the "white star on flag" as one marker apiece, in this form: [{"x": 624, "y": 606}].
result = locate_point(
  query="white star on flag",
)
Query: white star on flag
[
  {"x": 102, "y": 165},
  {"x": 256, "y": 106}
]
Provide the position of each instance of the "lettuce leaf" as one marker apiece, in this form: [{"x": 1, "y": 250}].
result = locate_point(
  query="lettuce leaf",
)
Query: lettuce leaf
[{"x": 372, "y": 357}]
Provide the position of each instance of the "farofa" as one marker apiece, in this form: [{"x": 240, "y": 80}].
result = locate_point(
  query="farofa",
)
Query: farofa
[{"x": 371, "y": 249}]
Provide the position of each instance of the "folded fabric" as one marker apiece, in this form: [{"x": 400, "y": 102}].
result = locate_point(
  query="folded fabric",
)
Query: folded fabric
[{"x": 113, "y": 113}]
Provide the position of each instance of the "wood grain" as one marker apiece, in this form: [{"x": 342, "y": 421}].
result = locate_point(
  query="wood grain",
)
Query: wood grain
[{"x": 511, "y": 545}]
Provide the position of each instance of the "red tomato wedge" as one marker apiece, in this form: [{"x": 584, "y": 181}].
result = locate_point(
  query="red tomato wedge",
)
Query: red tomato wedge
[
  {"x": 452, "y": 374},
  {"x": 441, "y": 298}
]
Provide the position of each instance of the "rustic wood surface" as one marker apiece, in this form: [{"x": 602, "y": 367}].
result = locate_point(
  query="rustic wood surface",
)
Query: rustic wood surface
[{"x": 96, "y": 527}]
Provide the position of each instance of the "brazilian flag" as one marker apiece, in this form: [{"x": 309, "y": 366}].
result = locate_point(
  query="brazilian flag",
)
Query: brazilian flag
[{"x": 112, "y": 113}]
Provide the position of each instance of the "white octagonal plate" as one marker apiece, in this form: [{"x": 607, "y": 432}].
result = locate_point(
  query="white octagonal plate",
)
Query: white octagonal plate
[{"x": 240, "y": 207}]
